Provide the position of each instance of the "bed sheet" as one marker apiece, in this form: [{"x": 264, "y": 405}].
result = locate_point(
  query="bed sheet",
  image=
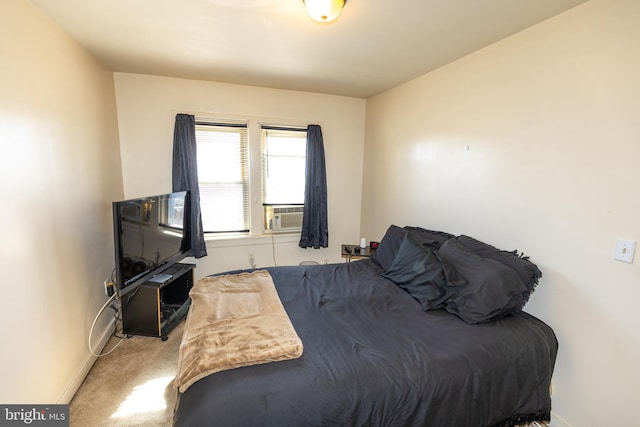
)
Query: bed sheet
[{"x": 372, "y": 357}]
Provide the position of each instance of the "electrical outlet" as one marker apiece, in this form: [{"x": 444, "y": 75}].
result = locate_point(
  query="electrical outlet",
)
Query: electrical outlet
[
  {"x": 252, "y": 260},
  {"x": 109, "y": 288}
]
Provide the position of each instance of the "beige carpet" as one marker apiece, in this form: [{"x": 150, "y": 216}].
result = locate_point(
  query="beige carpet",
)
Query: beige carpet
[{"x": 131, "y": 386}]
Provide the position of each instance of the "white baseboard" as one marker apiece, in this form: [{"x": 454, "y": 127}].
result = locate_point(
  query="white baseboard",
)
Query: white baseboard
[
  {"x": 556, "y": 421},
  {"x": 81, "y": 373}
]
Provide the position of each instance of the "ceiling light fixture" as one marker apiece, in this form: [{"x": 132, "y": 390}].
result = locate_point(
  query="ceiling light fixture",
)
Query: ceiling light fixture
[{"x": 324, "y": 11}]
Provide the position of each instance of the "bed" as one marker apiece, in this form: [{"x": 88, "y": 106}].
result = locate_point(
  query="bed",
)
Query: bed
[{"x": 428, "y": 332}]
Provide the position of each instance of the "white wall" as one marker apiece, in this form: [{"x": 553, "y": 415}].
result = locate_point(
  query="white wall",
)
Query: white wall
[
  {"x": 551, "y": 120},
  {"x": 58, "y": 174},
  {"x": 147, "y": 106}
]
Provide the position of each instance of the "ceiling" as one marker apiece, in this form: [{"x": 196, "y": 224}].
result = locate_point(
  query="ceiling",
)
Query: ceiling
[{"x": 374, "y": 45}]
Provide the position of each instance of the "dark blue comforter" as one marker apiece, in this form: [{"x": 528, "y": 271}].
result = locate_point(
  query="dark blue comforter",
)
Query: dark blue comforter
[{"x": 372, "y": 357}]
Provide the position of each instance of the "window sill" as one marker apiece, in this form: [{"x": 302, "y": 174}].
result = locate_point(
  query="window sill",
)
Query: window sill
[{"x": 235, "y": 240}]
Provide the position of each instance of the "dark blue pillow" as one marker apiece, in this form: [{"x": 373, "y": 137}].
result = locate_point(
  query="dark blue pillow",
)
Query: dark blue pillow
[
  {"x": 493, "y": 290},
  {"x": 389, "y": 246},
  {"x": 526, "y": 270},
  {"x": 418, "y": 270},
  {"x": 429, "y": 238}
]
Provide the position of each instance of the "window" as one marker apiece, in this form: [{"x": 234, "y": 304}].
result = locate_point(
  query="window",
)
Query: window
[
  {"x": 172, "y": 211},
  {"x": 223, "y": 176},
  {"x": 284, "y": 155},
  {"x": 229, "y": 181},
  {"x": 283, "y": 177}
]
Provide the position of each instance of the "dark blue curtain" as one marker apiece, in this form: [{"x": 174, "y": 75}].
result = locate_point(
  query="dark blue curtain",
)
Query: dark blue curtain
[
  {"x": 315, "y": 228},
  {"x": 185, "y": 177}
]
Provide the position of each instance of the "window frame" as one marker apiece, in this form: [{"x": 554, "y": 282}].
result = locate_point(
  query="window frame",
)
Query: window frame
[
  {"x": 256, "y": 209},
  {"x": 245, "y": 164},
  {"x": 265, "y": 156}
]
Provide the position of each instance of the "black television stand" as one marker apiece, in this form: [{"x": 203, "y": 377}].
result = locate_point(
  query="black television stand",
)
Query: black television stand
[{"x": 157, "y": 305}]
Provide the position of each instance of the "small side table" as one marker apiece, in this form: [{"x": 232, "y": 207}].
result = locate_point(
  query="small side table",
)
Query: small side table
[{"x": 356, "y": 252}]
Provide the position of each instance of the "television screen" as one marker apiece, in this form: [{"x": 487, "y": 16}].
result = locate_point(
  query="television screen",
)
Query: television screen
[{"x": 150, "y": 235}]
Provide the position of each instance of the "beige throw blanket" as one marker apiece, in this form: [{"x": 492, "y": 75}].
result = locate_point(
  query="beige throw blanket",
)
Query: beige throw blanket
[{"x": 234, "y": 320}]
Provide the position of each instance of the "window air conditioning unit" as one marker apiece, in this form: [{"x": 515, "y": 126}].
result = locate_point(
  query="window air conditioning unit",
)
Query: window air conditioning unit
[{"x": 286, "y": 218}]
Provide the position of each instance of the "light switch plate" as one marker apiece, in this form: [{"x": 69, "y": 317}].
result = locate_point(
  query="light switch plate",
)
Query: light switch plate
[{"x": 625, "y": 249}]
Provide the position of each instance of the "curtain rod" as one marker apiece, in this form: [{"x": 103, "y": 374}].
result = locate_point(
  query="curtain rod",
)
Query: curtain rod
[
  {"x": 229, "y": 125},
  {"x": 267, "y": 127}
]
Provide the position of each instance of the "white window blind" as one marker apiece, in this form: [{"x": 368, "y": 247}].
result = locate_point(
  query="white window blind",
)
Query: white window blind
[{"x": 223, "y": 176}]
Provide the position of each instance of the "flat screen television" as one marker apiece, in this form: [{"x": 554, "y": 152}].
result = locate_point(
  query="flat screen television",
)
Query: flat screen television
[{"x": 150, "y": 235}]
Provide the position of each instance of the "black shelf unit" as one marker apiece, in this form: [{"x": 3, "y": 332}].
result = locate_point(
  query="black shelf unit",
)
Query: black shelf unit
[{"x": 156, "y": 306}]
